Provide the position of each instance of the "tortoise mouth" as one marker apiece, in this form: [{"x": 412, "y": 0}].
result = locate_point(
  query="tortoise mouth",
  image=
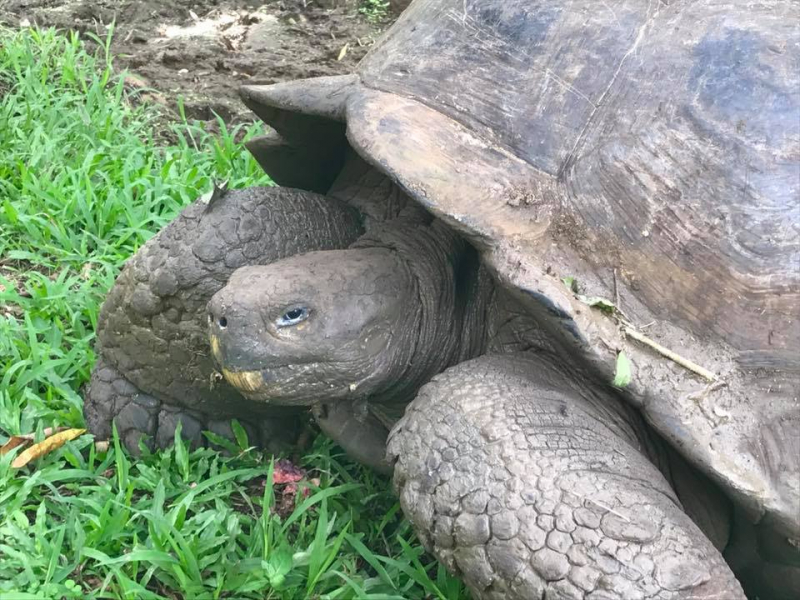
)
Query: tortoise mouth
[
  {"x": 278, "y": 384},
  {"x": 250, "y": 383},
  {"x": 274, "y": 385},
  {"x": 247, "y": 382},
  {"x": 285, "y": 385}
]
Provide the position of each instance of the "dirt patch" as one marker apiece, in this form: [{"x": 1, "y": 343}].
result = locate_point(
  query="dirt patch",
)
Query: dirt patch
[
  {"x": 12, "y": 284},
  {"x": 203, "y": 50}
]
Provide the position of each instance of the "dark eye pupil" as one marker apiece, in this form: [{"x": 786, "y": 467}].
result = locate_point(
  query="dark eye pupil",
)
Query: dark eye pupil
[{"x": 293, "y": 314}]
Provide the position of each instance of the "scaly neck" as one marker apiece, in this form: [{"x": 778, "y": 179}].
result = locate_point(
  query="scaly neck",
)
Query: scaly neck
[{"x": 451, "y": 294}]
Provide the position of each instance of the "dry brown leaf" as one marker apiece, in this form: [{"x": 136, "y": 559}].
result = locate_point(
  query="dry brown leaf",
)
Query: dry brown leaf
[
  {"x": 23, "y": 440},
  {"x": 13, "y": 442},
  {"x": 46, "y": 446},
  {"x": 86, "y": 271},
  {"x": 136, "y": 82}
]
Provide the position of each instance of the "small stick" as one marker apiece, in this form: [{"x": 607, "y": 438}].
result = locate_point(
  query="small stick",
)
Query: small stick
[
  {"x": 616, "y": 291},
  {"x": 684, "y": 362}
]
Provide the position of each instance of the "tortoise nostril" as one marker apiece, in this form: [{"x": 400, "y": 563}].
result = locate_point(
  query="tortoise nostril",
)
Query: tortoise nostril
[{"x": 223, "y": 322}]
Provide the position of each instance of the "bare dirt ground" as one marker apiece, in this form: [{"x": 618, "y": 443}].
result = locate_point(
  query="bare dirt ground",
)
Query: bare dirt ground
[{"x": 203, "y": 50}]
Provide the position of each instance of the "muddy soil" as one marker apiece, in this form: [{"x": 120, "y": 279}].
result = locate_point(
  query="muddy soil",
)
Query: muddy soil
[{"x": 203, "y": 50}]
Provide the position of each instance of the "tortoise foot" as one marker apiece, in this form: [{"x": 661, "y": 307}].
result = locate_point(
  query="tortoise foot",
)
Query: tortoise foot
[
  {"x": 111, "y": 398},
  {"x": 530, "y": 488}
]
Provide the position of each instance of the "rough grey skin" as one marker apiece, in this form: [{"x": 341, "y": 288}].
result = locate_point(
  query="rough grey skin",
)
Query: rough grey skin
[
  {"x": 649, "y": 150},
  {"x": 154, "y": 367},
  {"x": 520, "y": 473},
  {"x": 531, "y": 486}
]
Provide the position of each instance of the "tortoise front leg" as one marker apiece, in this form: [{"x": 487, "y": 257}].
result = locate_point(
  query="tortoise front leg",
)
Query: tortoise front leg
[
  {"x": 529, "y": 487},
  {"x": 110, "y": 397},
  {"x": 359, "y": 432}
]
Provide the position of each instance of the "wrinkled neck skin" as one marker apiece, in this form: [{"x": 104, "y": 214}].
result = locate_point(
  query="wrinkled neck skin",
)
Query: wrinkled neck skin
[
  {"x": 454, "y": 292},
  {"x": 464, "y": 314},
  {"x": 454, "y": 295}
]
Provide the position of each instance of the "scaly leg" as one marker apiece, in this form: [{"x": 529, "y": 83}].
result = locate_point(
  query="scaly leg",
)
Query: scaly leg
[
  {"x": 111, "y": 397},
  {"x": 529, "y": 486}
]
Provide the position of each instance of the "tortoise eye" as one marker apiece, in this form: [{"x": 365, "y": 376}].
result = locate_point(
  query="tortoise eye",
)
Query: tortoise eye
[{"x": 293, "y": 316}]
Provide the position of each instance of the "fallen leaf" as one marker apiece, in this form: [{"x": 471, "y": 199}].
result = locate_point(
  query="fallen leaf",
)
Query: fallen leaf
[
  {"x": 571, "y": 283},
  {"x": 15, "y": 441},
  {"x": 622, "y": 375},
  {"x": 343, "y": 52},
  {"x": 286, "y": 472},
  {"x": 46, "y": 446},
  {"x": 599, "y": 303},
  {"x": 154, "y": 98},
  {"x": 136, "y": 82},
  {"x": 86, "y": 271}
]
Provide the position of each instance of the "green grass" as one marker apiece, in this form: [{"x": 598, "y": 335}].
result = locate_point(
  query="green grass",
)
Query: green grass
[
  {"x": 374, "y": 11},
  {"x": 84, "y": 182}
]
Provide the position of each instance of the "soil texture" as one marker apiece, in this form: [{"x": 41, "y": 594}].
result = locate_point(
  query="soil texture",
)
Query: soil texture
[{"x": 203, "y": 50}]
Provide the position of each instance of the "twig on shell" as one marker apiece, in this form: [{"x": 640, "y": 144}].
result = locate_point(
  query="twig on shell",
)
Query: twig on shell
[{"x": 667, "y": 353}]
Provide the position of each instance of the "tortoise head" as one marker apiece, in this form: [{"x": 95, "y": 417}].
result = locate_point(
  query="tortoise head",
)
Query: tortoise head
[{"x": 330, "y": 324}]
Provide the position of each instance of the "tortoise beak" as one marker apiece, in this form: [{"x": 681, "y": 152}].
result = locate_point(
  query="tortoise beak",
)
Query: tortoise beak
[{"x": 247, "y": 382}]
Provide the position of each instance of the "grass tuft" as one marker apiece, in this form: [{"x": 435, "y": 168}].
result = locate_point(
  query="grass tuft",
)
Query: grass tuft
[
  {"x": 374, "y": 11},
  {"x": 83, "y": 184}
]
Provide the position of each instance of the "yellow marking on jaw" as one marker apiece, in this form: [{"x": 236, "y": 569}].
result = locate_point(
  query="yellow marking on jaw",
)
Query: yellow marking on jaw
[
  {"x": 249, "y": 381},
  {"x": 215, "y": 351}
]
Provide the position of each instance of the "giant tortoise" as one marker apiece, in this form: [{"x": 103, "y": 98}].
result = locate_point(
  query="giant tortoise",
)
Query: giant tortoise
[
  {"x": 574, "y": 311},
  {"x": 154, "y": 368}
]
